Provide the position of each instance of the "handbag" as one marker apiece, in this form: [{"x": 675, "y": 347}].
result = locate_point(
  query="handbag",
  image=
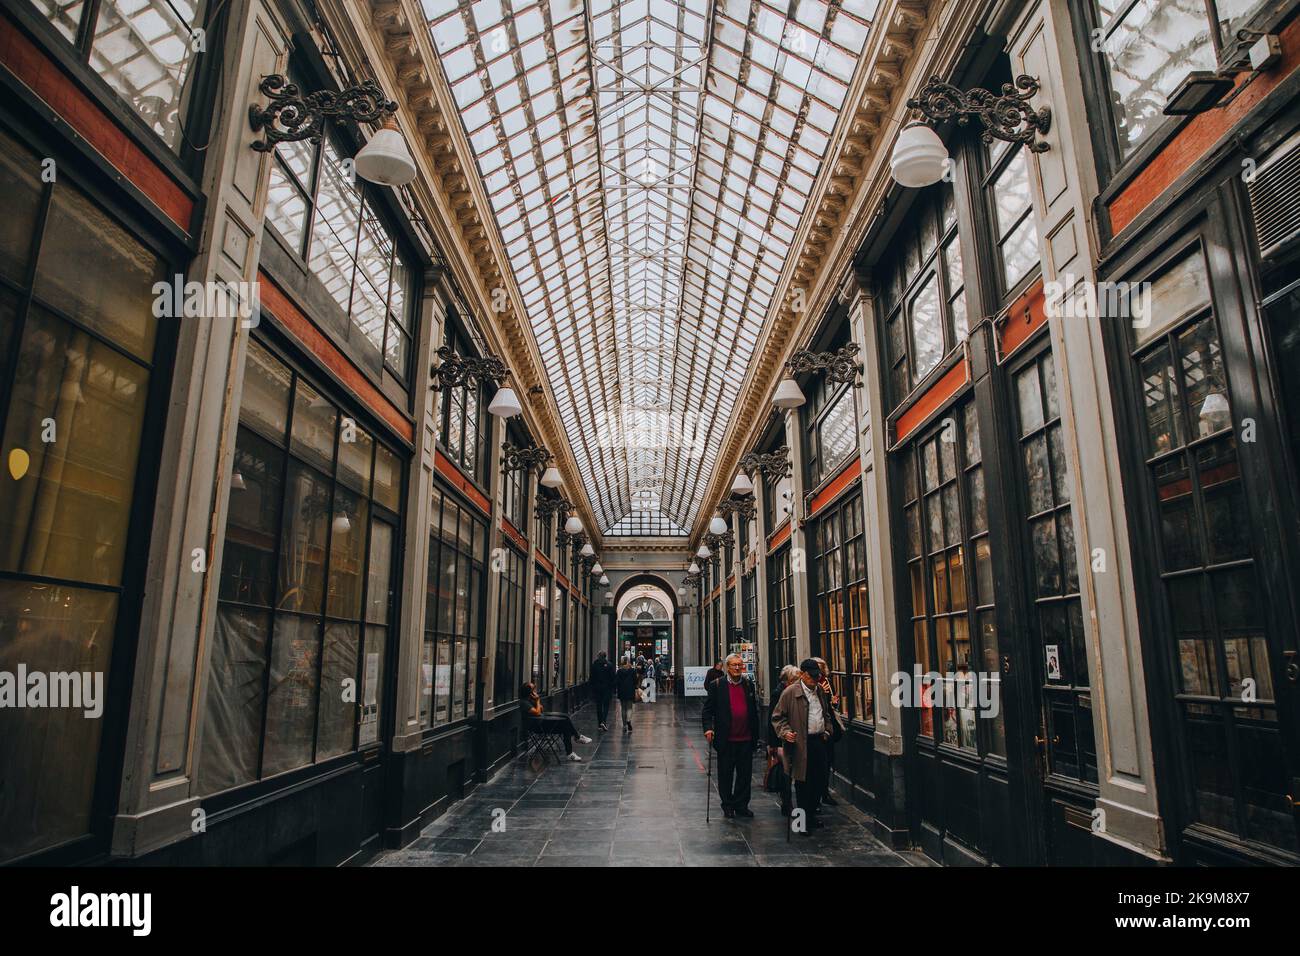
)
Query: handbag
[
  {"x": 774, "y": 781},
  {"x": 836, "y": 725},
  {"x": 638, "y": 695}
]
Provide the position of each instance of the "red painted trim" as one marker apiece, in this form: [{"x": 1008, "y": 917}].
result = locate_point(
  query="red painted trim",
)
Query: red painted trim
[
  {"x": 544, "y": 561},
  {"x": 1025, "y": 316},
  {"x": 513, "y": 534},
  {"x": 44, "y": 77},
  {"x": 934, "y": 399},
  {"x": 447, "y": 468},
  {"x": 848, "y": 474},
  {"x": 1199, "y": 136},
  {"x": 274, "y": 300},
  {"x": 779, "y": 536},
  {"x": 731, "y": 583},
  {"x": 562, "y": 578}
]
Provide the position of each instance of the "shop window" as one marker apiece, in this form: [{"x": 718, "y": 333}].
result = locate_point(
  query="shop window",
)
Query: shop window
[
  {"x": 143, "y": 49},
  {"x": 1149, "y": 47},
  {"x": 1224, "y": 692},
  {"x": 561, "y": 622},
  {"x": 76, "y": 351},
  {"x": 922, "y": 292},
  {"x": 306, "y": 593},
  {"x": 832, "y": 428},
  {"x": 509, "y": 664},
  {"x": 541, "y": 630},
  {"x": 462, "y": 419},
  {"x": 950, "y": 579},
  {"x": 749, "y": 607},
  {"x": 780, "y": 610},
  {"x": 1066, "y": 697},
  {"x": 514, "y": 498},
  {"x": 452, "y": 626},
  {"x": 840, "y": 592},
  {"x": 1011, "y": 201},
  {"x": 329, "y": 218}
]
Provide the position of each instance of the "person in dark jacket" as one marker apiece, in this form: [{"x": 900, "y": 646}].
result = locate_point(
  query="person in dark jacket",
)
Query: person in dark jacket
[
  {"x": 775, "y": 745},
  {"x": 627, "y": 684},
  {"x": 602, "y": 687},
  {"x": 730, "y": 719},
  {"x": 714, "y": 673}
]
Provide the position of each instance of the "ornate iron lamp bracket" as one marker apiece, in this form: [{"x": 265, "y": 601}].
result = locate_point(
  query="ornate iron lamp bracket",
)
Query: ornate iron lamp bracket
[
  {"x": 291, "y": 116},
  {"x": 518, "y": 459},
  {"x": 545, "y": 507},
  {"x": 1007, "y": 116},
  {"x": 457, "y": 372},
  {"x": 725, "y": 540},
  {"x": 774, "y": 466},
  {"x": 839, "y": 366},
  {"x": 742, "y": 505}
]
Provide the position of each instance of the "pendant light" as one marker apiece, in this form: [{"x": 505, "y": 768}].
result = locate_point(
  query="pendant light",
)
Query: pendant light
[
  {"x": 237, "y": 481},
  {"x": 597, "y": 569},
  {"x": 551, "y": 478},
  {"x": 693, "y": 569},
  {"x": 742, "y": 485},
  {"x": 788, "y": 394},
  {"x": 681, "y": 591},
  {"x": 704, "y": 552},
  {"x": 609, "y": 595},
  {"x": 718, "y": 525},
  {"x": 505, "y": 403},
  {"x": 385, "y": 160},
  {"x": 341, "y": 524},
  {"x": 919, "y": 157},
  {"x": 587, "y": 550},
  {"x": 604, "y": 579},
  {"x": 573, "y": 525}
]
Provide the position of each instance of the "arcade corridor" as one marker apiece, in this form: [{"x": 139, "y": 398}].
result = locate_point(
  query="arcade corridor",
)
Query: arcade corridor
[
  {"x": 377, "y": 375},
  {"x": 635, "y": 800}
]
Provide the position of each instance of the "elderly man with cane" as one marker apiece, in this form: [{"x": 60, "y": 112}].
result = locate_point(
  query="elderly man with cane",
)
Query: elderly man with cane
[
  {"x": 730, "y": 719},
  {"x": 800, "y": 719}
]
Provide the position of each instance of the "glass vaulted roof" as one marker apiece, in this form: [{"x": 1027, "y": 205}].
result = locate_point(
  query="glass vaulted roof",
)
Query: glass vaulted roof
[{"x": 648, "y": 164}]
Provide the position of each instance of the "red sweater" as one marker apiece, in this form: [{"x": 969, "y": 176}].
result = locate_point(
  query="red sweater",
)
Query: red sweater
[{"x": 740, "y": 729}]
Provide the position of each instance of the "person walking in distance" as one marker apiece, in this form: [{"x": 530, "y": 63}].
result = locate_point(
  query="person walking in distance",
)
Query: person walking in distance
[
  {"x": 627, "y": 684},
  {"x": 730, "y": 719},
  {"x": 800, "y": 721},
  {"x": 716, "y": 672},
  {"x": 602, "y": 687}
]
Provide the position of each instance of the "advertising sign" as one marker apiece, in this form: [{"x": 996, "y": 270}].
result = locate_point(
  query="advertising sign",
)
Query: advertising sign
[{"x": 695, "y": 681}]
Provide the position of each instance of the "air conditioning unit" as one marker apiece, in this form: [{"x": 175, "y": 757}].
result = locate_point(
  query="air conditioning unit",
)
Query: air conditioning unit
[{"x": 1274, "y": 191}]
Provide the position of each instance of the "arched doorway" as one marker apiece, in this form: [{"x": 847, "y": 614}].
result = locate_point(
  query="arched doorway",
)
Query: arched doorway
[{"x": 644, "y": 619}]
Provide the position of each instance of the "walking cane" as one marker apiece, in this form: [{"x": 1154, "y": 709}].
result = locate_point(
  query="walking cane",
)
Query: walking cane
[
  {"x": 708, "y": 786},
  {"x": 789, "y": 825}
]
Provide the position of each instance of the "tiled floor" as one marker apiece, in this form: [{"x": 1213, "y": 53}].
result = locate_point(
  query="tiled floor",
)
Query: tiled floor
[{"x": 635, "y": 800}]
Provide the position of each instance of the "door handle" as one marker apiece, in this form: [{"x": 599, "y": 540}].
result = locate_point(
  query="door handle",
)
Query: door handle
[
  {"x": 1006, "y": 664},
  {"x": 1291, "y": 668},
  {"x": 1039, "y": 741}
]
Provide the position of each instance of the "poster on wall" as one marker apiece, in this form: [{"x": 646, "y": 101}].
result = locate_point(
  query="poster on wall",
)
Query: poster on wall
[
  {"x": 695, "y": 681},
  {"x": 1053, "y": 662}
]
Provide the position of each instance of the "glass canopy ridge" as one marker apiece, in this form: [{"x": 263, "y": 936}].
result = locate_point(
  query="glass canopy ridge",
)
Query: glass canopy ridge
[{"x": 648, "y": 164}]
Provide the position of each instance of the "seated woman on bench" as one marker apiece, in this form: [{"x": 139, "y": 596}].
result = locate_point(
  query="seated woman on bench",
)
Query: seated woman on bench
[{"x": 557, "y": 724}]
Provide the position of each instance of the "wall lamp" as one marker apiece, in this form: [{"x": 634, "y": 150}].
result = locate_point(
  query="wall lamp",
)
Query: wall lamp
[
  {"x": 839, "y": 366},
  {"x": 457, "y": 372},
  {"x": 920, "y": 157},
  {"x": 291, "y": 117}
]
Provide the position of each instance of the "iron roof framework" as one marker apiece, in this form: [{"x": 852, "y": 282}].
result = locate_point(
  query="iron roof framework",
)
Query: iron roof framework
[{"x": 648, "y": 164}]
